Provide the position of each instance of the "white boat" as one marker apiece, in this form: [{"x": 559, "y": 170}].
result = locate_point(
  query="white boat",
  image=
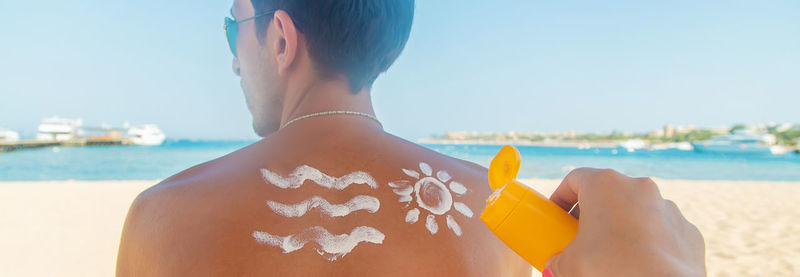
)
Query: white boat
[
  {"x": 632, "y": 145},
  {"x": 8, "y": 135},
  {"x": 148, "y": 134},
  {"x": 59, "y": 129},
  {"x": 741, "y": 142},
  {"x": 683, "y": 146}
]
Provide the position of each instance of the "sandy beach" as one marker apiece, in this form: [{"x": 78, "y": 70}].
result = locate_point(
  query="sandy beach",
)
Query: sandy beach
[
  {"x": 750, "y": 228},
  {"x": 72, "y": 228}
]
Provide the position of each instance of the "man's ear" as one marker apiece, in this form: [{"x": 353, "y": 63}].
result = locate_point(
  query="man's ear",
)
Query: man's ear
[{"x": 285, "y": 42}]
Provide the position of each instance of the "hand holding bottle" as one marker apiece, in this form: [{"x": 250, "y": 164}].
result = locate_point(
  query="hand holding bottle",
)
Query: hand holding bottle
[{"x": 625, "y": 229}]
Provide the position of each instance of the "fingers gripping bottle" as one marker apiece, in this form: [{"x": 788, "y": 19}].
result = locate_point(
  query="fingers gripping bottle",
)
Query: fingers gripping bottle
[{"x": 526, "y": 221}]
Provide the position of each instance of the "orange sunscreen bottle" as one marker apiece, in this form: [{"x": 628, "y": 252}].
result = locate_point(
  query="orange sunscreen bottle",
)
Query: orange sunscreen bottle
[{"x": 530, "y": 224}]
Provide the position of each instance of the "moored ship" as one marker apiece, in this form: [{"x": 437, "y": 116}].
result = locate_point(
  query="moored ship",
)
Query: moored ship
[
  {"x": 148, "y": 134},
  {"x": 741, "y": 142},
  {"x": 59, "y": 129}
]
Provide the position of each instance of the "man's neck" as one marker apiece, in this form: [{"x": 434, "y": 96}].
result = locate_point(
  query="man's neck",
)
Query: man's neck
[{"x": 325, "y": 96}]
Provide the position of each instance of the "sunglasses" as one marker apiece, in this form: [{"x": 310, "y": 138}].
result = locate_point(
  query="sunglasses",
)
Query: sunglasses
[{"x": 232, "y": 28}]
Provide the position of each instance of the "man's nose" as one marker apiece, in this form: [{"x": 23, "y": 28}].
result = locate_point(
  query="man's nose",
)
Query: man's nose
[{"x": 237, "y": 69}]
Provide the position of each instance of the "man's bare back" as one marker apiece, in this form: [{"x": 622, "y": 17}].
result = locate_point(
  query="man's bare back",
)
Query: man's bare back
[
  {"x": 325, "y": 197},
  {"x": 329, "y": 195}
]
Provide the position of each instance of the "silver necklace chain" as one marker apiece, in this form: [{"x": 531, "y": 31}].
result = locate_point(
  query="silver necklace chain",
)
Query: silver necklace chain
[{"x": 333, "y": 113}]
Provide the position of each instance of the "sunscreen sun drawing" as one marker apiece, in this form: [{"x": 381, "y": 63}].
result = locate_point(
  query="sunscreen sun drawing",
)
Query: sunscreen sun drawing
[{"x": 436, "y": 194}]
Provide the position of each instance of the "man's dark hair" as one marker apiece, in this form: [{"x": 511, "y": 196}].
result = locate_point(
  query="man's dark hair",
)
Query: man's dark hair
[{"x": 357, "y": 38}]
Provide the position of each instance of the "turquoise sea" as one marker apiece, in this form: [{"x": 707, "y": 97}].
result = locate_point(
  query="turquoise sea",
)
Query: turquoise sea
[{"x": 152, "y": 163}]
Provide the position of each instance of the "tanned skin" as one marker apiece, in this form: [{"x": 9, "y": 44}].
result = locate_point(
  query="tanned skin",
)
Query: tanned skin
[{"x": 200, "y": 222}]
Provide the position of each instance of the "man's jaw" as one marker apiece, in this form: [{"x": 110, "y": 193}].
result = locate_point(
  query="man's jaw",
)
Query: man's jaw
[{"x": 246, "y": 99}]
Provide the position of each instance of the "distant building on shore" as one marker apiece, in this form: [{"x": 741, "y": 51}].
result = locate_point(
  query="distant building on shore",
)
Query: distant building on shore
[
  {"x": 669, "y": 131},
  {"x": 455, "y": 135},
  {"x": 656, "y": 133}
]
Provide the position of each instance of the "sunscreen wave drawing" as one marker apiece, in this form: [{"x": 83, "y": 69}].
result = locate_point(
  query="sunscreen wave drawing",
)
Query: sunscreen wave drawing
[
  {"x": 330, "y": 246},
  {"x": 433, "y": 195},
  {"x": 360, "y": 202},
  {"x": 304, "y": 173}
]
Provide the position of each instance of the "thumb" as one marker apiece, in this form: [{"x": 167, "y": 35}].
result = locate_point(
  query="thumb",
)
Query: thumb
[{"x": 551, "y": 265}]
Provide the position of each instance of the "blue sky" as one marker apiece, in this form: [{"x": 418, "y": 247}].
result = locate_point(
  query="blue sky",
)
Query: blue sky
[{"x": 469, "y": 65}]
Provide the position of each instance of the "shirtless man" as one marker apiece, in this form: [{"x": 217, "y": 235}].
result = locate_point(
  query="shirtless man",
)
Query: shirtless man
[
  {"x": 328, "y": 193},
  {"x": 332, "y": 194}
]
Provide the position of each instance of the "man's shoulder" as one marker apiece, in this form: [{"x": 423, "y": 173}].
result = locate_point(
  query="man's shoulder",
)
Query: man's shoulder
[
  {"x": 219, "y": 167},
  {"x": 181, "y": 193},
  {"x": 204, "y": 176},
  {"x": 174, "y": 219},
  {"x": 417, "y": 151},
  {"x": 226, "y": 170}
]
